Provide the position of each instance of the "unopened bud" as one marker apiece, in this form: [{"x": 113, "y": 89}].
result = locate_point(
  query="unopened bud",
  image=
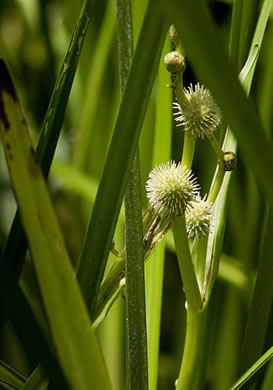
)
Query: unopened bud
[
  {"x": 174, "y": 62},
  {"x": 230, "y": 161}
]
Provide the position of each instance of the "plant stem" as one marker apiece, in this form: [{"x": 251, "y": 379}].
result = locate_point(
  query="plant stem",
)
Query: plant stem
[
  {"x": 199, "y": 250},
  {"x": 109, "y": 286},
  {"x": 188, "y": 150},
  {"x": 217, "y": 182},
  {"x": 190, "y": 361},
  {"x": 193, "y": 299},
  {"x": 216, "y": 147},
  {"x": 189, "y": 141},
  {"x": 185, "y": 263}
]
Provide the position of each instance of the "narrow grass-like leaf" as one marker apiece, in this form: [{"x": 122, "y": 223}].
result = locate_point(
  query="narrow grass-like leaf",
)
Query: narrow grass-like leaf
[
  {"x": 260, "y": 29},
  {"x": 37, "y": 380},
  {"x": 234, "y": 40},
  {"x": 33, "y": 340},
  {"x": 16, "y": 246},
  {"x": 268, "y": 379},
  {"x": 217, "y": 233},
  {"x": 212, "y": 65},
  {"x": 102, "y": 223},
  {"x": 10, "y": 377},
  {"x": 260, "y": 311},
  {"x": 249, "y": 13},
  {"x": 72, "y": 335},
  {"x": 259, "y": 315},
  {"x": 247, "y": 376},
  {"x": 137, "y": 371},
  {"x": 155, "y": 266},
  {"x": 94, "y": 83},
  {"x": 136, "y": 336}
]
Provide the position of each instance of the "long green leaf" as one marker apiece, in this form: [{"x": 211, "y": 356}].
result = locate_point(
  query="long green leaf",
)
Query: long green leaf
[
  {"x": 155, "y": 266},
  {"x": 212, "y": 65},
  {"x": 16, "y": 246},
  {"x": 10, "y": 377},
  {"x": 137, "y": 371},
  {"x": 136, "y": 336},
  {"x": 261, "y": 306},
  {"x": 37, "y": 380},
  {"x": 268, "y": 380},
  {"x": 72, "y": 335},
  {"x": 249, "y": 13},
  {"x": 219, "y": 215},
  {"x": 244, "y": 379},
  {"x": 94, "y": 82},
  {"x": 33, "y": 340},
  {"x": 102, "y": 223}
]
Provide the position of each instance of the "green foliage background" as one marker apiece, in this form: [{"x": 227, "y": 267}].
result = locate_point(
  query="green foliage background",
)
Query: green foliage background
[{"x": 34, "y": 37}]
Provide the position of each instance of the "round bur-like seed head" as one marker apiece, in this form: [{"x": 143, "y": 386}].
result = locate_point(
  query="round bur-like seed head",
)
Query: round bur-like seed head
[
  {"x": 199, "y": 114},
  {"x": 198, "y": 215},
  {"x": 170, "y": 188}
]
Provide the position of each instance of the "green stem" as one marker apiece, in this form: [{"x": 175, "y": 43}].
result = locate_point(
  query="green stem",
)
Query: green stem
[
  {"x": 109, "y": 286},
  {"x": 179, "y": 91},
  {"x": 216, "y": 147},
  {"x": 189, "y": 141},
  {"x": 185, "y": 263},
  {"x": 188, "y": 150},
  {"x": 190, "y": 361},
  {"x": 199, "y": 250},
  {"x": 218, "y": 180}
]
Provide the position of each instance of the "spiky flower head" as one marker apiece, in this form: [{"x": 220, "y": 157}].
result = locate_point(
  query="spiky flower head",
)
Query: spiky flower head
[
  {"x": 170, "y": 188},
  {"x": 198, "y": 215},
  {"x": 199, "y": 114}
]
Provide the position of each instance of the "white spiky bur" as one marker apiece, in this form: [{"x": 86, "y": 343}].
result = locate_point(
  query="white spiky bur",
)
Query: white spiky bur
[
  {"x": 198, "y": 114},
  {"x": 198, "y": 214},
  {"x": 170, "y": 188}
]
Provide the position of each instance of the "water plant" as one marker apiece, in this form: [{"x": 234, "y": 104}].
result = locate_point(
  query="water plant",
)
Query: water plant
[{"x": 158, "y": 121}]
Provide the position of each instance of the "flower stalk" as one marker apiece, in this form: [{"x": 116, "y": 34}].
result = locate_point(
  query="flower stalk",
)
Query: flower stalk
[
  {"x": 185, "y": 263},
  {"x": 191, "y": 355}
]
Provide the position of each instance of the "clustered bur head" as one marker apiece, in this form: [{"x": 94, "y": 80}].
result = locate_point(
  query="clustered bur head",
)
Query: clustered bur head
[
  {"x": 199, "y": 114},
  {"x": 198, "y": 215},
  {"x": 170, "y": 188}
]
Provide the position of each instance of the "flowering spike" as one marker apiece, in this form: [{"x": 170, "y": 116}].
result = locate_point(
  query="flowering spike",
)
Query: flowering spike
[
  {"x": 198, "y": 113},
  {"x": 170, "y": 188},
  {"x": 198, "y": 215}
]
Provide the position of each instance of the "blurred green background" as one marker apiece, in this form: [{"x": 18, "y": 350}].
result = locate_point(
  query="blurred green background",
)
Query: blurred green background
[{"x": 34, "y": 36}]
